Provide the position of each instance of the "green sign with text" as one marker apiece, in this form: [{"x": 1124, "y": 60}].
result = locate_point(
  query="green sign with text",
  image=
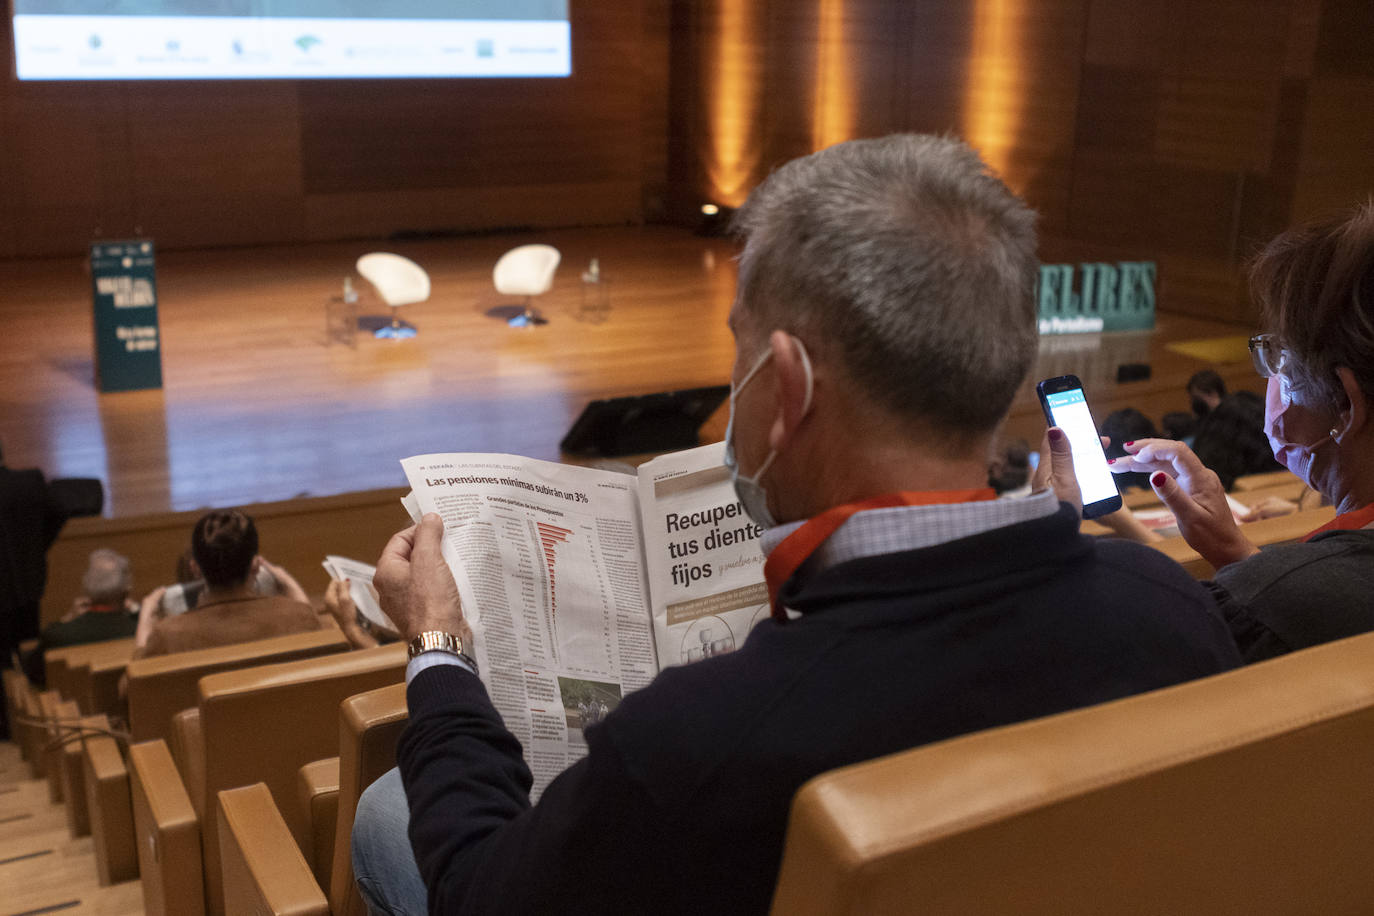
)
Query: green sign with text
[
  {"x": 1089, "y": 298},
  {"x": 128, "y": 344}
]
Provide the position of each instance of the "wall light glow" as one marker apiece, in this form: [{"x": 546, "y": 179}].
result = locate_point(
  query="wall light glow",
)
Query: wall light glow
[
  {"x": 734, "y": 101},
  {"x": 994, "y": 101},
  {"x": 832, "y": 121}
]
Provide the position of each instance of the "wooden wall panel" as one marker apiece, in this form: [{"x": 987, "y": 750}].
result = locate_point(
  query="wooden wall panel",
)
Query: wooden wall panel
[{"x": 1187, "y": 132}]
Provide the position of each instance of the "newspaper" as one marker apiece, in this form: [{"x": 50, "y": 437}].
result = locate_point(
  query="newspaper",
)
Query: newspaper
[
  {"x": 579, "y": 584},
  {"x": 371, "y": 617}
]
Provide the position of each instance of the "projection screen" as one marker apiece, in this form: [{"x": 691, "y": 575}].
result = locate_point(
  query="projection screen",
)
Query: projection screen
[{"x": 263, "y": 39}]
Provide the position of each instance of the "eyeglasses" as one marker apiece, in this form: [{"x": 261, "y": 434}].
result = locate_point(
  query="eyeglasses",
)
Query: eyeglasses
[{"x": 1269, "y": 358}]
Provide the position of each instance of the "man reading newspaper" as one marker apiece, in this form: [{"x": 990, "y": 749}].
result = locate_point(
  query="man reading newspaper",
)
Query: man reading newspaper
[{"x": 884, "y": 320}]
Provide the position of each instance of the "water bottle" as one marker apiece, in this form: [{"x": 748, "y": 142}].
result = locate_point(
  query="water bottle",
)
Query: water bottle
[{"x": 350, "y": 295}]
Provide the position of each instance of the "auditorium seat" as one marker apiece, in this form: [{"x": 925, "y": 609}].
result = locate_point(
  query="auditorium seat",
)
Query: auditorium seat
[
  {"x": 59, "y": 663},
  {"x": 1246, "y": 792},
  {"x": 62, "y": 722},
  {"x": 1266, "y": 480},
  {"x": 261, "y": 725},
  {"x": 1284, "y": 529},
  {"x": 317, "y": 804},
  {"x": 73, "y": 775},
  {"x": 370, "y": 725},
  {"x": 111, "y": 813},
  {"x": 168, "y": 830},
  {"x": 164, "y": 685},
  {"x": 259, "y": 852}
]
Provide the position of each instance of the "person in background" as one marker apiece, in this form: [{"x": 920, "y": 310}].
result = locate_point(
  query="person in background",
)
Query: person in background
[
  {"x": 30, "y": 519},
  {"x": 1010, "y": 473},
  {"x": 1205, "y": 391},
  {"x": 1180, "y": 425},
  {"x": 1230, "y": 440},
  {"x": 224, "y": 545},
  {"x": 1315, "y": 287},
  {"x": 1120, "y": 427},
  {"x": 103, "y": 611}
]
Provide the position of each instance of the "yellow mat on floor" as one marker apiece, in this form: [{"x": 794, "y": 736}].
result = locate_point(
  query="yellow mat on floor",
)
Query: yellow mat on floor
[{"x": 1214, "y": 349}]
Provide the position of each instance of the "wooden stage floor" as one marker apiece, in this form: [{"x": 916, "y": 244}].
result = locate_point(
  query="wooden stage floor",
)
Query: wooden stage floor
[{"x": 256, "y": 406}]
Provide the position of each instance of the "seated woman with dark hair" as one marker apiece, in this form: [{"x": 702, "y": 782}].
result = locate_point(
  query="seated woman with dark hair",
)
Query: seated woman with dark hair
[
  {"x": 1316, "y": 288},
  {"x": 1230, "y": 440}
]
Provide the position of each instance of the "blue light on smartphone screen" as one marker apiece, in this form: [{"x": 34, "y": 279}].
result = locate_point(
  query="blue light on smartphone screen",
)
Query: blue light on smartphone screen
[{"x": 1070, "y": 412}]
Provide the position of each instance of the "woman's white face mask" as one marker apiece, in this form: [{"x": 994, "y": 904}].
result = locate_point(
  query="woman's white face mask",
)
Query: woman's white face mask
[{"x": 1283, "y": 413}]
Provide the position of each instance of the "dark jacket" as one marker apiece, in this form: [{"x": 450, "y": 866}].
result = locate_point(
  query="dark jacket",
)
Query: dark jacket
[{"x": 682, "y": 802}]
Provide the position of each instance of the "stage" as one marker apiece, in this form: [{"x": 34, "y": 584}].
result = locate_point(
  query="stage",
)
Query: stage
[{"x": 259, "y": 405}]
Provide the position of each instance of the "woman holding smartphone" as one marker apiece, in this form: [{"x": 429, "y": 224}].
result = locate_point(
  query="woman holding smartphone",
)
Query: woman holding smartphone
[{"x": 1315, "y": 286}]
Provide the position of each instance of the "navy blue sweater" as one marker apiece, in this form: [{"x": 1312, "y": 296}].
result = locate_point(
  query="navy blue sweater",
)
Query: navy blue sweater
[{"x": 681, "y": 804}]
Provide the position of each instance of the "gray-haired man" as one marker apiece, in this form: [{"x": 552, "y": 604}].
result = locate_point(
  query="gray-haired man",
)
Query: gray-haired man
[{"x": 884, "y": 323}]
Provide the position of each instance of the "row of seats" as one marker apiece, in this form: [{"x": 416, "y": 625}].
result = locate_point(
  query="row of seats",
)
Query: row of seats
[{"x": 300, "y": 717}]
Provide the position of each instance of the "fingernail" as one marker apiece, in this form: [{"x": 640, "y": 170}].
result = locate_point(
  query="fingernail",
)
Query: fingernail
[
  {"x": 1130, "y": 443},
  {"x": 1111, "y": 461},
  {"x": 1056, "y": 434},
  {"x": 1158, "y": 478}
]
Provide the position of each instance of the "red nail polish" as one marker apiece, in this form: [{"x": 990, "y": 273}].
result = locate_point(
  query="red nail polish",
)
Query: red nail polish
[
  {"x": 1111, "y": 461},
  {"x": 1132, "y": 442},
  {"x": 1159, "y": 478},
  {"x": 1056, "y": 435}
]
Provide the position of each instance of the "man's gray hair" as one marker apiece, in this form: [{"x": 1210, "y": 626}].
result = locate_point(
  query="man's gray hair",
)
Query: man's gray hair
[
  {"x": 107, "y": 579},
  {"x": 912, "y": 261}
]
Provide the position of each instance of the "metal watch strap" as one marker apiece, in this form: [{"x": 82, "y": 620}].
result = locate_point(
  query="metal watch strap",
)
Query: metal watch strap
[{"x": 440, "y": 641}]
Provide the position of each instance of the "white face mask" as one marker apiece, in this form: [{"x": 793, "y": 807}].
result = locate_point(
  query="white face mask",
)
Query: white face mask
[
  {"x": 1297, "y": 457},
  {"x": 748, "y": 490}
]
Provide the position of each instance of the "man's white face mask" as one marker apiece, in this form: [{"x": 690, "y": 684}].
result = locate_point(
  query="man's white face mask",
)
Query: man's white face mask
[{"x": 749, "y": 490}]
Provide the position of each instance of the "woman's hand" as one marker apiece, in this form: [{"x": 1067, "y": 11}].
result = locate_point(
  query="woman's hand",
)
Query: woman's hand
[{"x": 1193, "y": 494}]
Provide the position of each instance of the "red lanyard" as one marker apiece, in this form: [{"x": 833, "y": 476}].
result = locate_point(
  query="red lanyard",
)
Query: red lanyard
[
  {"x": 1350, "y": 521},
  {"x": 788, "y": 556}
]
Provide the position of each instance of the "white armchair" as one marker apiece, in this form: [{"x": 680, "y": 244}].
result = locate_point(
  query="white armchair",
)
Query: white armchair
[
  {"x": 526, "y": 271},
  {"x": 398, "y": 281}
]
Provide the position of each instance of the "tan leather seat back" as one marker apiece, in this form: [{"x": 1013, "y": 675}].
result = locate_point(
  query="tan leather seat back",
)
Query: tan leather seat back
[
  {"x": 162, "y": 686},
  {"x": 262, "y": 724},
  {"x": 370, "y": 724},
  {"x": 59, "y": 662},
  {"x": 317, "y": 802},
  {"x": 168, "y": 832},
  {"x": 107, "y": 802},
  {"x": 1247, "y": 792}
]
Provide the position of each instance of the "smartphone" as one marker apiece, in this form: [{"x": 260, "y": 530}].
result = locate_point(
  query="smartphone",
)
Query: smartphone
[{"x": 1066, "y": 406}]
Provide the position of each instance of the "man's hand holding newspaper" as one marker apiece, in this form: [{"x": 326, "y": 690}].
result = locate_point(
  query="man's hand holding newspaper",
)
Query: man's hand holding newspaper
[{"x": 414, "y": 583}]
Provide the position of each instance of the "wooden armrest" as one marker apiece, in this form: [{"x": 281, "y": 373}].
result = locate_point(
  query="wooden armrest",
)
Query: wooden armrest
[
  {"x": 188, "y": 751},
  {"x": 168, "y": 833},
  {"x": 65, "y": 716},
  {"x": 262, "y": 867},
  {"x": 317, "y": 797},
  {"x": 111, "y": 812},
  {"x": 74, "y": 776}
]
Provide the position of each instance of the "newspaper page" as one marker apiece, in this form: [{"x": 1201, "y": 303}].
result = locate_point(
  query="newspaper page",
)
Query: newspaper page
[
  {"x": 549, "y": 568},
  {"x": 359, "y": 576},
  {"x": 703, "y": 557}
]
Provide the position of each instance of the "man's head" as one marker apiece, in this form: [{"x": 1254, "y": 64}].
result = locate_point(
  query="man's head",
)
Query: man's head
[
  {"x": 906, "y": 270},
  {"x": 107, "y": 579},
  {"x": 1205, "y": 391},
  {"x": 225, "y": 545}
]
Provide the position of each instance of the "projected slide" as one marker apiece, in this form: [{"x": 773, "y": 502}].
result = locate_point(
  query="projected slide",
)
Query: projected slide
[{"x": 247, "y": 39}]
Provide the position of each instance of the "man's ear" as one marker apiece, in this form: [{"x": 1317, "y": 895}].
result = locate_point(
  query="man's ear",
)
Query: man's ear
[
  {"x": 794, "y": 387},
  {"x": 1355, "y": 415}
]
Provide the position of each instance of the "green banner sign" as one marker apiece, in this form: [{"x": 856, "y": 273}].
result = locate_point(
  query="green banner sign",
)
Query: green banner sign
[
  {"x": 128, "y": 344},
  {"x": 1090, "y": 298}
]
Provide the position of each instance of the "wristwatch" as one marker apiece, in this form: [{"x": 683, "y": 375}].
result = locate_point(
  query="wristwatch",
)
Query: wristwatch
[{"x": 440, "y": 641}]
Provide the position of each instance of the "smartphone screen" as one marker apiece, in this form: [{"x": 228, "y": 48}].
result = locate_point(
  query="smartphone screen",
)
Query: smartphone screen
[{"x": 1067, "y": 407}]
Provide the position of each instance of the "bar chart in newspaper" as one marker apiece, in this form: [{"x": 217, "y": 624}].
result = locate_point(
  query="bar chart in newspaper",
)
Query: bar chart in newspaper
[{"x": 576, "y": 608}]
